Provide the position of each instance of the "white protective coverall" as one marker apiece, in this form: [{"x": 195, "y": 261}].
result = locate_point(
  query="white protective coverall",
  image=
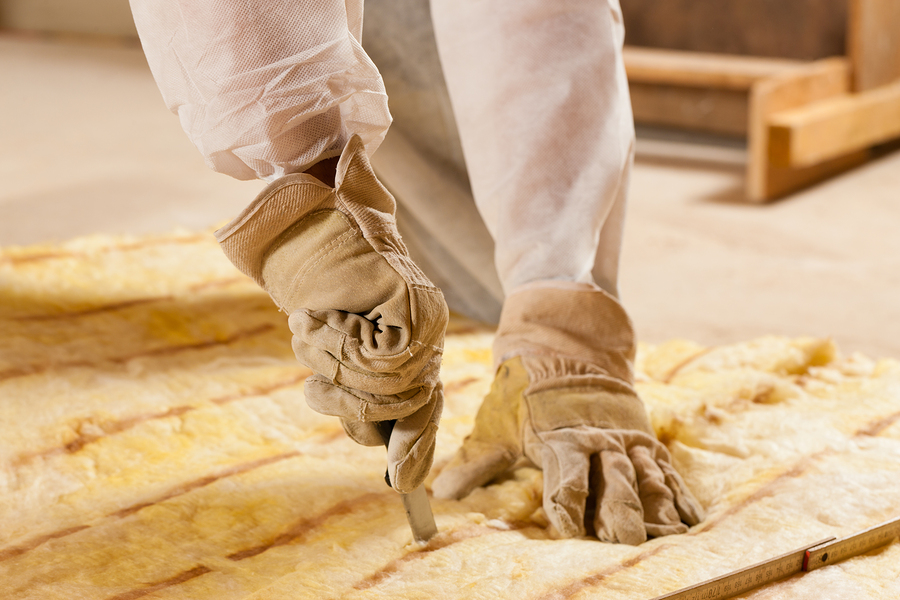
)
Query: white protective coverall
[
  {"x": 269, "y": 88},
  {"x": 540, "y": 113}
]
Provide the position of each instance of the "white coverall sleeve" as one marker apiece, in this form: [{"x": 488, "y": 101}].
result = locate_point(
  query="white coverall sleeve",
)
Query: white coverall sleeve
[
  {"x": 541, "y": 101},
  {"x": 265, "y": 88}
]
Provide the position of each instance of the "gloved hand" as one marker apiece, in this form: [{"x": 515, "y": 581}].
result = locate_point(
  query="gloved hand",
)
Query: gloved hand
[
  {"x": 364, "y": 317},
  {"x": 563, "y": 397}
]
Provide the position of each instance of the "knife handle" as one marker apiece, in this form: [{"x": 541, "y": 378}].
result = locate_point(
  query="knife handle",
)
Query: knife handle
[{"x": 385, "y": 428}]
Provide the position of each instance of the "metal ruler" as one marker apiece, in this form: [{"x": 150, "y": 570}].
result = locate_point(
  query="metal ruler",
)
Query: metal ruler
[{"x": 808, "y": 558}]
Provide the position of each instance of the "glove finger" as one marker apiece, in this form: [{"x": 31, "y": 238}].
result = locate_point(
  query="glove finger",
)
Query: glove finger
[
  {"x": 320, "y": 352},
  {"x": 331, "y": 352},
  {"x": 566, "y": 470},
  {"x": 619, "y": 516},
  {"x": 411, "y": 447},
  {"x": 688, "y": 508},
  {"x": 475, "y": 464},
  {"x": 378, "y": 335},
  {"x": 363, "y": 433},
  {"x": 329, "y": 398},
  {"x": 657, "y": 499},
  {"x": 324, "y": 341}
]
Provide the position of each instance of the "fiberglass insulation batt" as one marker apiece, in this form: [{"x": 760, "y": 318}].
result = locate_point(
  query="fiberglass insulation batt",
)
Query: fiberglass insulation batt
[{"x": 156, "y": 444}]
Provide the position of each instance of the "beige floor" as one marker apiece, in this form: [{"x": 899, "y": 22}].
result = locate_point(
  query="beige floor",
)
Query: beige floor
[{"x": 87, "y": 146}]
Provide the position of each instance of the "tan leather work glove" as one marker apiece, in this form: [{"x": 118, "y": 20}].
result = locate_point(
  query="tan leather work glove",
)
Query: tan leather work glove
[
  {"x": 563, "y": 397},
  {"x": 364, "y": 317}
]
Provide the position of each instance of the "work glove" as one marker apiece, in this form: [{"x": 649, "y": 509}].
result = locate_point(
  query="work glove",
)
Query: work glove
[
  {"x": 563, "y": 397},
  {"x": 365, "y": 319}
]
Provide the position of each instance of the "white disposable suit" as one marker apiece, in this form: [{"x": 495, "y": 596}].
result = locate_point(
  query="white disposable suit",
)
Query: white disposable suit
[
  {"x": 529, "y": 167},
  {"x": 539, "y": 100}
]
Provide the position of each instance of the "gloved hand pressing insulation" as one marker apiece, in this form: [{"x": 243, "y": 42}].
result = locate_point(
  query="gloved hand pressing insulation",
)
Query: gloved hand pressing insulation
[
  {"x": 364, "y": 317},
  {"x": 563, "y": 397}
]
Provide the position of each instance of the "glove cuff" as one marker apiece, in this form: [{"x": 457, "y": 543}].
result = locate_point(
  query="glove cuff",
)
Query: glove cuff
[
  {"x": 590, "y": 405},
  {"x": 274, "y": 216},
  {"x": 249, "y": 238},
  {"x": 573, "y": 328}
]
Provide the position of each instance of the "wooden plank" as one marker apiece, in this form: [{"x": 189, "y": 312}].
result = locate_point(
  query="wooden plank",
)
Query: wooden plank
[
  {"x": 702, "y": 109},
  {"x": 873, "y": 42},
  {"x": 649, "y": 148},
  {"x": 817, "y": 81},
  {"x": 88, "y": 19},
  {"x": 700, "y": 69},
  {"x": 781, "y": 181},
  {"x": 800, "y": 29},
  {"x": 818, "y": 132}
]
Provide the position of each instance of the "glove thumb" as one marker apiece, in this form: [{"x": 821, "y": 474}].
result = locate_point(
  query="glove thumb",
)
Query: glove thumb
[
  {"x": 476, "y": 463},
  {"x": 410, "y": 450}
]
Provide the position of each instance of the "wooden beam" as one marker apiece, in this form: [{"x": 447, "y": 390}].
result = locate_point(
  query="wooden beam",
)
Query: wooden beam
[
  {"x": 801, "y": 29},
  {"x": 696, "y": 90},
  {"x": 703, "y": 109},
  {"x": 701, "y": 69},
  {"x": 834, "y": 127},
  {"x": 873, "y": 42},
  {"x": 817, "y": 81}
]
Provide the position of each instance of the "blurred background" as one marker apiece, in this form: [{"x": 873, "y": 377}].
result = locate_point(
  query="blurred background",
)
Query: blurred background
[{"x": 729, "y": 235}]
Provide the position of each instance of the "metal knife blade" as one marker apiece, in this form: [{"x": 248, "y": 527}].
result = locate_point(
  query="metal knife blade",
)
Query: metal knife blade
[
  {"x": 418, "y": 509},
  {"x": 418, "y": 513}
]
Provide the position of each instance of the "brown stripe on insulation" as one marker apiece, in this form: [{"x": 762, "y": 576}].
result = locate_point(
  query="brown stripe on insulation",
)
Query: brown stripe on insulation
[
  {"x": 683, "y": 364},
  {"x": 878, "y": 426},
  {"x": 161, "y": 585},
  {"x": 302, "y": 528},
  {"x": 103, "y": 308},
  {"x": 127, "y": 247},
  {"x": 113, "y": 427},
  {"x": 439, "y": 542},
  {"x": 767, "y": 490},
  {"x": 125, "y": 304},
  {"x": 180, "y": 490},
  {"x": 593, "y": 580},
  {"x": 296, "y": 533},
  {"x": 165, "y": 351}
]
